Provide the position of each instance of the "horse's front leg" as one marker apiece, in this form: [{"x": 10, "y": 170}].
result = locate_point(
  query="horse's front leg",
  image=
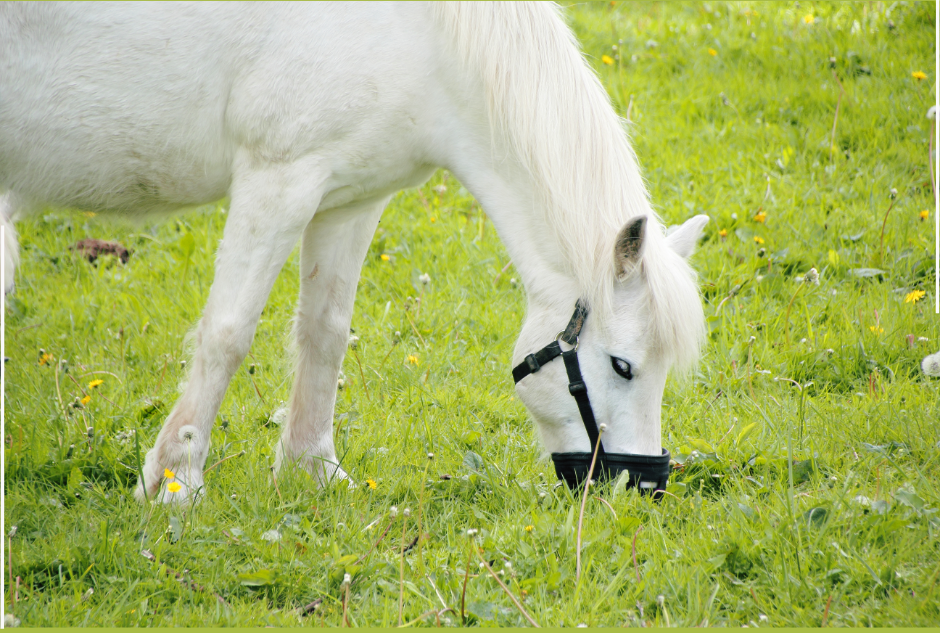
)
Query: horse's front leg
[
  {"x": 333, "y": 248},
  {"x": 270, "y": 207}
]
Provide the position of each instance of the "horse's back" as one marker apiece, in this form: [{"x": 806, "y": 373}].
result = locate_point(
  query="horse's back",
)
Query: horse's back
[{"x": 141, "y": 107}]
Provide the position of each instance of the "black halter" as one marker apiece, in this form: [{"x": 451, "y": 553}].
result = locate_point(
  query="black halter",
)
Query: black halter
[{"x": 649, "y": 473}]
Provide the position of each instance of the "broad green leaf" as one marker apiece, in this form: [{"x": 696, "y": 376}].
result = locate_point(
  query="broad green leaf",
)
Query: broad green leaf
[
  {"x": 259, "y": 578},
  {"x": 745, "y": 432}
]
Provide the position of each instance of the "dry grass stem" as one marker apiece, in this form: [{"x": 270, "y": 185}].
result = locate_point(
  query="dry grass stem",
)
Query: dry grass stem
[
  {"x": 509, "y": 593},
  {"x": 584, "y": 496}
]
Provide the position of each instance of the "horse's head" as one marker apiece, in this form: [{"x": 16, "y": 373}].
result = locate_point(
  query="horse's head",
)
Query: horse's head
[{"x": 655, "y": 322}]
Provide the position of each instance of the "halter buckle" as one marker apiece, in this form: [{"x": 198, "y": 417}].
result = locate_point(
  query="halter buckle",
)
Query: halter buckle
[{"x": 577, "y": 340}]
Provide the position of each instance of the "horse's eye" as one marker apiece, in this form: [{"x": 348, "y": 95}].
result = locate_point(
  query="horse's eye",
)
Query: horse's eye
[{"x": 622, "y": 367}]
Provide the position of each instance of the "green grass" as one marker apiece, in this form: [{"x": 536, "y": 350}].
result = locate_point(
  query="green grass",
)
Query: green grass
[{"x": 809, "y": 484}]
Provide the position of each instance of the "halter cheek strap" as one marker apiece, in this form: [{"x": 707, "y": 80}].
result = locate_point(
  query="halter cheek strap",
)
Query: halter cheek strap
[{"x": 576, "y": 387}]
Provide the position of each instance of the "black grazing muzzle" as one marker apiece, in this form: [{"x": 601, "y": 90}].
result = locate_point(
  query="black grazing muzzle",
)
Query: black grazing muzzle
[{"x": 649, "y": 473}]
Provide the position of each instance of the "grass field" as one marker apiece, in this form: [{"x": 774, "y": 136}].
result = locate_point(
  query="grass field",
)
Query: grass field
[{"x": 807, "y": 489}]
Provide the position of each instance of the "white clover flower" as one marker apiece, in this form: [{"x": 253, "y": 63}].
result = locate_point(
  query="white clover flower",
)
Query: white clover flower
[
  {"x": 425, "y": 279},
  {"x": 347, "y": 578},
  {"x": 406, "y": 513},
  {"x": 393, "y": 511},
  {"x": 812, "y": 277},
  {"x": 932, "y": 112},
  {"x": 353, "y": 342}
]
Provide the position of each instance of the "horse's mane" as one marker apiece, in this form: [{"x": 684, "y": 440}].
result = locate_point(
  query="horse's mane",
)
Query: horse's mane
[{"x": 556, "y": 117}]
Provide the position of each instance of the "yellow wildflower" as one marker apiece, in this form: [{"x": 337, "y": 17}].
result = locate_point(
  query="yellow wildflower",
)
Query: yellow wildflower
[
  {"x": 758, "y": 239},
  {"x": 876, "y": 329},
  {"x": 924, "y": 215},
  {"x": 45, "y": 358},
  {"x": 174, "y": 487},
  {"x": 86, "y": 400},
  {"x": 169, "y": 474},
  {"x": 914, "y": 296},
  {"x": 384, "y": 257},
  {"x": 712, "y": 52},
  {"x": 529, "y": 528},
  {"x": 723, "y": 233},
  {"x": 413, "y": 359},
  {"x": 371, "y": 483},
  {"x": 808, "y": 18},
  {"x": 918, "y": 75},
  {"x": 760, "y": 217},
  {"x": 95, "y": 383},
  {"x": 433, "y": 219},
  {"x": 607, "y": 59}
]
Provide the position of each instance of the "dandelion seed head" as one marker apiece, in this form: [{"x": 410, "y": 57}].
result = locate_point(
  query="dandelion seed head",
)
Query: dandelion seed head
[{"x": 187, "y": 433}]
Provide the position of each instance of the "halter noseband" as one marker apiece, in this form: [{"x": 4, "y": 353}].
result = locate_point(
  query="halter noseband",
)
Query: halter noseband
[{"x": 649, "y": 473}]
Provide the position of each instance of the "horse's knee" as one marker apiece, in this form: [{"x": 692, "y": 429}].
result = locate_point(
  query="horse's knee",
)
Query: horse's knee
[{"x": 224, "y": 342}]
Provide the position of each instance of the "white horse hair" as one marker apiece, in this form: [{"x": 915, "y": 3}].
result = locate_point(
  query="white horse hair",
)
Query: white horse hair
[{"x": 309, "y": 117}]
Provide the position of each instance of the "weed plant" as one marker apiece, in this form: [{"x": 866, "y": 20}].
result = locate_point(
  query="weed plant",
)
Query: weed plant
[{"x": 806, "y": 486}]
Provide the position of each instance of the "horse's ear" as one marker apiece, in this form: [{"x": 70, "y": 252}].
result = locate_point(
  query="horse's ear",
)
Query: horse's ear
[
  {"x": 684, "y": 237},
  {"x": 628, "y": 245}
]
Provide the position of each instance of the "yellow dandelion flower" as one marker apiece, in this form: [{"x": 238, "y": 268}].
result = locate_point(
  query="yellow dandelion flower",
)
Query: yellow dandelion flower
[
  {"x": 94, "y": 384},
  {"x": 808, "y": 18},
  {"x": 433, "y": 219},
  {"x": 607, "y": 59},
  {"x": 174, "y": 486},
  {"x": 723, "y": 232},
  {"x": 384, "y": 257},
  {"x": 918, "y": 75},
  {"x": 529, "y": 528},
  {"x": 876, "y": 329},
  {"x": 371, "y": 483},
  {"x": 758, "y": 239},
  {"x": 413, "y": 359},
  {"x": 924, "y": 215},
  {"x": 169, "y": 474},
  {"x": 914, "y": 296},
  {"x": 86, "y": 400},
  {"x": 45, "y": 359},
  {"x": 712, "y": 52},
  {"x": 760, "y": 217}
]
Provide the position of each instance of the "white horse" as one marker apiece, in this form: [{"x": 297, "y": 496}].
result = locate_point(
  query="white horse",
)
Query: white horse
[{"x": 310, "y": 117}]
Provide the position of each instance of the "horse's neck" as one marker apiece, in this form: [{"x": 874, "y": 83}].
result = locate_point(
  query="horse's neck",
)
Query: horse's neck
[{"x": 507, "y": 194}]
